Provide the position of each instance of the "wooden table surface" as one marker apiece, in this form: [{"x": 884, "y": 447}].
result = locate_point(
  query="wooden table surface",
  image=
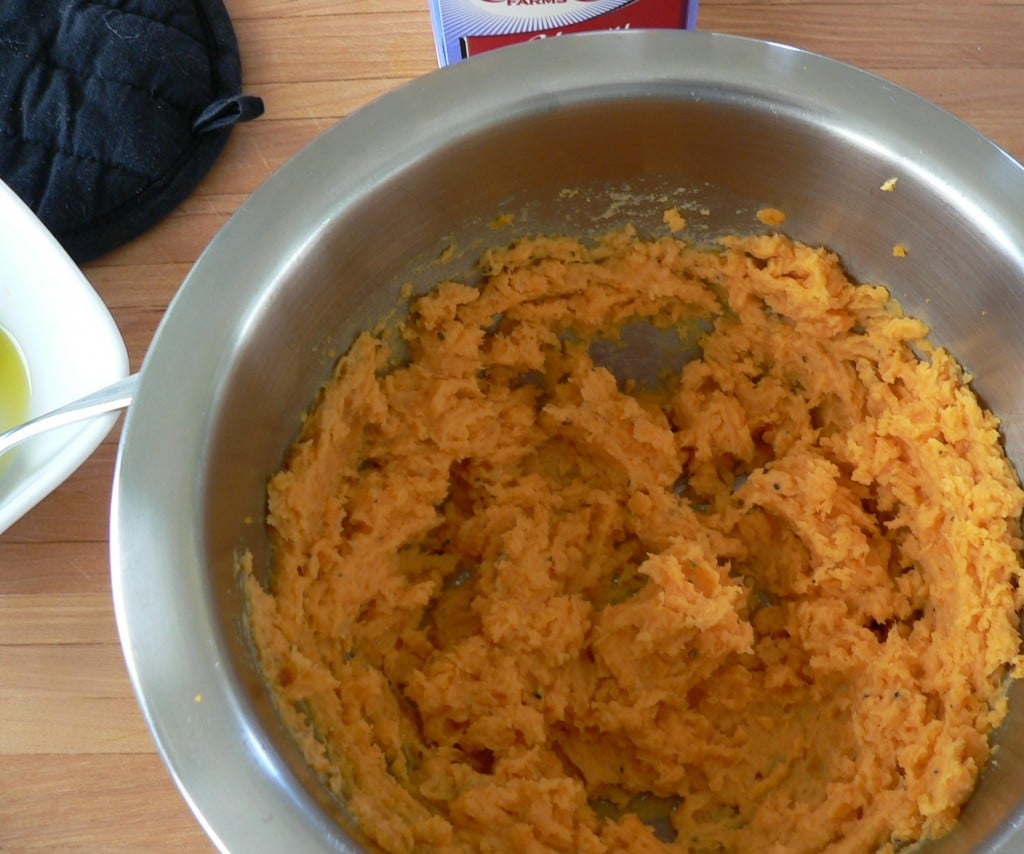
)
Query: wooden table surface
[{"x": 78, "y": 770}]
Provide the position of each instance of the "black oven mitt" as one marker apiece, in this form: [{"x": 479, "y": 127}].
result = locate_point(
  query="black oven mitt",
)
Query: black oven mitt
[{"x": 112, "y": 111}]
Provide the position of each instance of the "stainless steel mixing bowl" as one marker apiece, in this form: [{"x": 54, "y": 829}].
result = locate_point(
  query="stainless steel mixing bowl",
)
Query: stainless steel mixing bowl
[{"x": 571, "y": 135}]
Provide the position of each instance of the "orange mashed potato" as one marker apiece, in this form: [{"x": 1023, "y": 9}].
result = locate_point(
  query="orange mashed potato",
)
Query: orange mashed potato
[{"x": 520, "y": 604}]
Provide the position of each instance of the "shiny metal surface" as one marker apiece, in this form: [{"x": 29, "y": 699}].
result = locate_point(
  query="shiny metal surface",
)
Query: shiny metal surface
[
  {"x": 108, "y": 399},
  {"x": 576, "y": 134}
]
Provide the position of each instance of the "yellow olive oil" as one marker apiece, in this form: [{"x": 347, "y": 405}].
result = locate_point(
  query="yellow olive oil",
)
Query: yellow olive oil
[{"x": 14, "y": 383}]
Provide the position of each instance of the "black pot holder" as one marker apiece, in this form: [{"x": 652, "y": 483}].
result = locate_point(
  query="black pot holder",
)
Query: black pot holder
[{"x": 112, "y": 111}]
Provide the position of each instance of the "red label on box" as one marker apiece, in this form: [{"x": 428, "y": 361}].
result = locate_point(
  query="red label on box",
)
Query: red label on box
[
  {"x": 464, "y": 28},
  {"x": 637, "y": 14}
]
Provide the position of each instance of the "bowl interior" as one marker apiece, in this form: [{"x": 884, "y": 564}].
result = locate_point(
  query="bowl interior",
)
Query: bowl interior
[{"x": 714, "y": 126}]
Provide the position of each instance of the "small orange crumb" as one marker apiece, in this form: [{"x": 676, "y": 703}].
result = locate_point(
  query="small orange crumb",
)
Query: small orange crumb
[
  {"x": 501, "y": 221},
  {"x": 674, "y": 220},
  {"x": 899, "y": 251},
  {"x": 889, "y": 186},
  {"x": 705, "y": 211},
  {"x": 450, "y": 252},
  {"x": 771, "y": 216}
]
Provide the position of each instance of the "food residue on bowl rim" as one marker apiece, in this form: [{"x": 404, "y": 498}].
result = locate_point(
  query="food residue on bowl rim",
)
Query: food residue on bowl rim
[{"x": 772, "y": 217}]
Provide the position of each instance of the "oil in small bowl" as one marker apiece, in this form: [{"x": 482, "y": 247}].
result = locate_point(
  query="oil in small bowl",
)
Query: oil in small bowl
[{"x": 15, "y": 387}]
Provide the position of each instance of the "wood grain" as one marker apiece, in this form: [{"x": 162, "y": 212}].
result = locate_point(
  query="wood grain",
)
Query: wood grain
[{"x": 78, "y": 770}]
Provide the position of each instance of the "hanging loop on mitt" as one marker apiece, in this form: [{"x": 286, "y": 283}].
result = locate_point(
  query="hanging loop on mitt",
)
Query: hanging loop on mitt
[{"x": 225, "y": 112}]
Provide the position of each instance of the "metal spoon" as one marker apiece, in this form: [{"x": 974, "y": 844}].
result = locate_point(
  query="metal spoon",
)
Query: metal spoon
[{"x": 115, "y": 396}]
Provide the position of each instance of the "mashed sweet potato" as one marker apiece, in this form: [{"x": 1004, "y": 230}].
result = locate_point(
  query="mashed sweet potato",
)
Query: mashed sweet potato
[{"x": 769, "y": 603}]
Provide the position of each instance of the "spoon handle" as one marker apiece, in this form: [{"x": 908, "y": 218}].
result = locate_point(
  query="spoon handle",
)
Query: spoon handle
[{"x": 115, "y": 396}]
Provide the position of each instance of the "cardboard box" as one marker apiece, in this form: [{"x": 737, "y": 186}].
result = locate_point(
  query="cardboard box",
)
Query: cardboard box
[{"x": 464, "y": 28}]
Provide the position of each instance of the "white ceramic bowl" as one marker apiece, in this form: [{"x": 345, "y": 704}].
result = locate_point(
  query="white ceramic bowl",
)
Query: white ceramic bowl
[{"x": 71, "y": 345}]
